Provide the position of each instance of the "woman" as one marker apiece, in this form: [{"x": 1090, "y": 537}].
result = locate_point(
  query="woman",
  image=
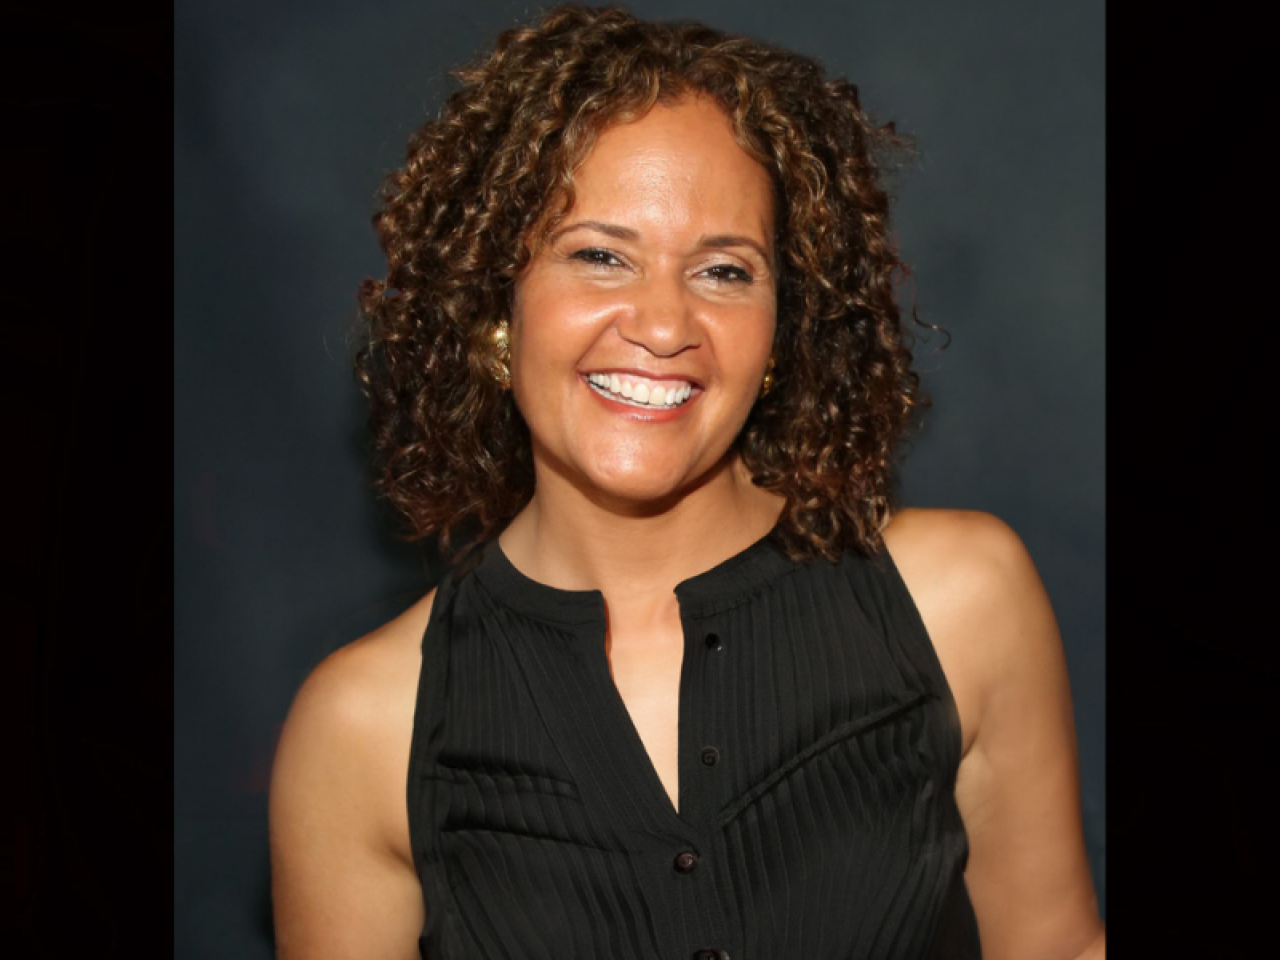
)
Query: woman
[{"x": 697, "y": 693}]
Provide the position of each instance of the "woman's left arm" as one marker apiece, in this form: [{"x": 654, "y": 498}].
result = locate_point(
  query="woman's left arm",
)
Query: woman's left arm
[{"x": 1018, "y": 788}]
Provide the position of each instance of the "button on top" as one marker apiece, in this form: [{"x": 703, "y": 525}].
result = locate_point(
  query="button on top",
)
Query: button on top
[
  {"x": 710, "y": 756},
  {"x": 711, "y": 955},
  {"x": 686, "y": 861},
  {"x": 712, "y": 641}
]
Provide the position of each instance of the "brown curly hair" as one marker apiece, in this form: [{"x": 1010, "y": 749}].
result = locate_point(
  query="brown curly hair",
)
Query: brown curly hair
[{"x": 489, "y": 179}]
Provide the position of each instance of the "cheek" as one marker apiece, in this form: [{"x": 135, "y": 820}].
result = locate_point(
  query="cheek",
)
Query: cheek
[
  {"x": 544, "y": 350},
  {"x": 532, "y": 316},
  {"x": 548, "y": 319},
  {"x": 751, "y": 340}
]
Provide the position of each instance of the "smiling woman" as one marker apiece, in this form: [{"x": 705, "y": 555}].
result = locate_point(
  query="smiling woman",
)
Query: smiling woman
[
  {"x": 662, "y": 279},
  {"x": 693, "y": 689}
]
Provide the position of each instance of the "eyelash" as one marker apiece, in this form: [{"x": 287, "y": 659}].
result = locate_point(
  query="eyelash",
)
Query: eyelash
[
  {"x": 599, "y": 257},
  {"x": 738, "y": 274}
]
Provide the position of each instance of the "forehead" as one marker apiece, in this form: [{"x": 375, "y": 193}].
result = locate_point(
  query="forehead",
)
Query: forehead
[{"x": 679, "y": 165}]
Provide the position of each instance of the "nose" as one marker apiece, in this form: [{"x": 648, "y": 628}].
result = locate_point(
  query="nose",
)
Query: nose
[{"x": 661, "y": 317}]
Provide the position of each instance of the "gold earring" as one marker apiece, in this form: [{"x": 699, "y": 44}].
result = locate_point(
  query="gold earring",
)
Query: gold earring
[
  {"x": 500, "y": 360},
  {"x": 767, "y": 384}
]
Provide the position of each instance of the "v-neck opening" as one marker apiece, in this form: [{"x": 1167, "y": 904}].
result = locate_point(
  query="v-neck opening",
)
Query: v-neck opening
[
  {"x": 583, "y": 615},
  {"x": 627, "y": 723}
]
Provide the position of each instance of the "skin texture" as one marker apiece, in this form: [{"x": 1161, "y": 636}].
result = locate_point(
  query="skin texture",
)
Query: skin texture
[
  {"x": 647, "y": 274},
  {"x": 664, "y": 267}
]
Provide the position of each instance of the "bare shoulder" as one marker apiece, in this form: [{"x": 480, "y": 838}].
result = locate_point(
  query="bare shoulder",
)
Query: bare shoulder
[
  {"x": 993, "y": 628},
  {"x": 343, "y": 880},
  {"x": 946, "y": 545},
  {"x": 980, "y": 598},
  {"x": 963, "y": 563},
  {"x": 357, "y": 696},
  {"x": 355, "y": 679}
]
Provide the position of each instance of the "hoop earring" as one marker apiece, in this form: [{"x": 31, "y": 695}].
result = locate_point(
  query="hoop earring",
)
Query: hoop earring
[
  {"x": 500, "y": 359},
  {"x": 767, "y": 384}
]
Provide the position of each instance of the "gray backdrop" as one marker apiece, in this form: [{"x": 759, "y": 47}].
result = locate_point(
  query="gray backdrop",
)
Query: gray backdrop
[{"x": 287, "y": 116}]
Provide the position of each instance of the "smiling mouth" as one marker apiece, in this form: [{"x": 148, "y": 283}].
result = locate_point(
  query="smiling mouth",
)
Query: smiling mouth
[{"x": 638, "y": 392}]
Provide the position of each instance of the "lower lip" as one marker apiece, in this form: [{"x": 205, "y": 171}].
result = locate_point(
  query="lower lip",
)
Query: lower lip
[{"x": 642, "y": 414}]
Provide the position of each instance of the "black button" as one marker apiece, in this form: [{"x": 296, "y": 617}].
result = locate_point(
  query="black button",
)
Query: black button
[
  {"x": 711, "y": 955},
  {"x": 710, "y": 756},
  {"x": 712, "y": 640},
  {"x": 686, "y": 861}
]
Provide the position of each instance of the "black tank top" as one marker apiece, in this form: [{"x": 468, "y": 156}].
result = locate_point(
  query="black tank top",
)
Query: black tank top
[{"x": 818, "y": 750}]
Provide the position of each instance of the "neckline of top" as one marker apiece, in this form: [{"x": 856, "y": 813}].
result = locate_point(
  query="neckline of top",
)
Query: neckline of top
[{"x": 724, "y": 585}]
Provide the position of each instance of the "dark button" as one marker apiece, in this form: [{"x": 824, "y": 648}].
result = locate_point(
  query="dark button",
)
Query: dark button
[
  {"x": 712, "y": 641},
  {"x": 711, "y": 955},
  {"x": 686, "y": 861},
  {"x": 710, "y": 756}
]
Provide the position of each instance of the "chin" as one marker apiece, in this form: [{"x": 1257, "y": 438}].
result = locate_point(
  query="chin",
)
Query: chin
[
  {"x": 631, "y": 477},
  {"x": 637, "y": 488},
  {"x": 644, "y": 484}
]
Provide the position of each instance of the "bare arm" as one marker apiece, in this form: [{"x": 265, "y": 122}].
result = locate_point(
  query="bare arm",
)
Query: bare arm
[
  {"x": 343, "y": 882},
  {"x": 1018, "y": 789}
]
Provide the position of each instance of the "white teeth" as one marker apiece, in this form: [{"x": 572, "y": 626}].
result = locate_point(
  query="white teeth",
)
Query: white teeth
[{"x": 641, "y": 394}]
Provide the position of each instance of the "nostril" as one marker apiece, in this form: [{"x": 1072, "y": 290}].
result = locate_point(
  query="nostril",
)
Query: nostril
[{"x": 662, "y": 322}]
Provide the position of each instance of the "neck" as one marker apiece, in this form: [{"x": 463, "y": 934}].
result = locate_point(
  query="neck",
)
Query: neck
[{"x": 636, "y": 554}]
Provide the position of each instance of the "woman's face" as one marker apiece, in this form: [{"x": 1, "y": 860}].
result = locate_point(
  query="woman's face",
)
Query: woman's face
[{"x": 641, "y": 328}]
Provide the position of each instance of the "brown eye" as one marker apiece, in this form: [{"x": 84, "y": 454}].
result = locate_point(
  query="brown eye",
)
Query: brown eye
[
  {"x": 728, "y": 273},
  {"x": 596, "y": 256}
]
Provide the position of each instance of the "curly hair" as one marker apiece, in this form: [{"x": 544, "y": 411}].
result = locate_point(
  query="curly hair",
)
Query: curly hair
[{"x": 493, "y": 175}]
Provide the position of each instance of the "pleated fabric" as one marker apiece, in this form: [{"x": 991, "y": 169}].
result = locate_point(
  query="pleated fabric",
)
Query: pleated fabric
[{"x": 818, "y": 751}]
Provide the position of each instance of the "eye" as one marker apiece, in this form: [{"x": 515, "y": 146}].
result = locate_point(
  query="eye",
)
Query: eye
[
  {"x": 596, "y": 256},
  {"x": 728, "y": 273}
]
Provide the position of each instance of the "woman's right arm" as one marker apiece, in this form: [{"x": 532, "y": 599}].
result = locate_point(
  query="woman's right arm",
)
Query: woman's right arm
[{"x": 343, "y": 882}]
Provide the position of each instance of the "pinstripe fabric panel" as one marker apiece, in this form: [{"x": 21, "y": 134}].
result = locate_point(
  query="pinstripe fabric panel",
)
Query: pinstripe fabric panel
[{"x": 826, "y": 828}]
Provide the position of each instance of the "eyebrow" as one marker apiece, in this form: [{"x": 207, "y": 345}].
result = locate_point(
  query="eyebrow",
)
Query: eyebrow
[
  {"x": 734, "y": 240},
  {"x": 608, "y": 229},
  {"x": 715, "y": 241}
]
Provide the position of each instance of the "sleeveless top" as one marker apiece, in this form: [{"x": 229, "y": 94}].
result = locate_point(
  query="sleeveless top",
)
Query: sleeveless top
[{"x": 818, "y": 750}]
